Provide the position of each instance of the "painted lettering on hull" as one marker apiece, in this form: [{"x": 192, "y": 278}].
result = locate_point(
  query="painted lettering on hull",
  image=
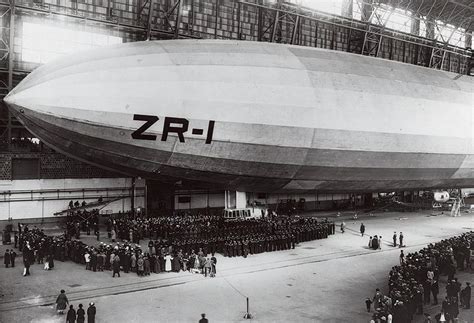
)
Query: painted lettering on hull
[{"x": 178, "y": 126}]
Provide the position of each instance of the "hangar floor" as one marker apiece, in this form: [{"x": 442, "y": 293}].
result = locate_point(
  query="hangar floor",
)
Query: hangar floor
[{"x": 319, "y": 281}]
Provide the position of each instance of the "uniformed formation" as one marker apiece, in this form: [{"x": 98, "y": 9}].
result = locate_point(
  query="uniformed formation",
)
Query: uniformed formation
[
  {"x": 417, "y": 278},
  {"x": 175, "y": 243},
  {"x": 231, "y": 238}
]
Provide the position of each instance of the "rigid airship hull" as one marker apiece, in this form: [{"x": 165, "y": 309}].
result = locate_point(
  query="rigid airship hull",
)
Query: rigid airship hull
[{"x": 255, "y": 116}]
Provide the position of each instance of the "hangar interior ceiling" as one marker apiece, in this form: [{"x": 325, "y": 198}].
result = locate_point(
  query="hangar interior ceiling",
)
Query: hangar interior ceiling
[{"x": 436, "y": 34}]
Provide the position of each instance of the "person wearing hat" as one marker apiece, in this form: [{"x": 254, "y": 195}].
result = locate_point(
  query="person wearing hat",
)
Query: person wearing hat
[
  {"x": 71, "y": 315},
  {"x": 91, "y": 311},
  {"x": 116, "y": 265},
  {"x": 81, "y": 314},
  {"x": 12, "y": 257},
  {"x": 6, "y": 260},
  {"x": 362, "y": 229},
  {"x": 466, "y": 296},
  {"x": 203, "y": 318}
]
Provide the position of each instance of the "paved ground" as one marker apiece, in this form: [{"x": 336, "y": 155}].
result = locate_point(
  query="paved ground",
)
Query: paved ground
[{"x": 319, "y": 281}]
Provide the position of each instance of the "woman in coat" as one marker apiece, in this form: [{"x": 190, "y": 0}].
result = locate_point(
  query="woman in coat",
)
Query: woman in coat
[
  {"x": 71, "y": 315},
  {"x": 146, "y": 265},
  {"x": 152, "y": 259},
  {"x": 192, "y": 259},
  {"x": 50, "y": 260},
  {"x": 140, "y": 265},
  {"x": 161, "y": 257},
  {"x": 61, "y": 302},
  {"x": 185, "y": 262},
  {"x": 176, "y": 264},
  {"x": 133, "y": 262},
  {"x": 157, "y": 265}
]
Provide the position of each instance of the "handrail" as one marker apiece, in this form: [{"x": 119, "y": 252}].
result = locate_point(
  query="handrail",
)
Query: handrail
[
  {"x": 72, "y": 190},
  {"x": 65, "y": 198}
]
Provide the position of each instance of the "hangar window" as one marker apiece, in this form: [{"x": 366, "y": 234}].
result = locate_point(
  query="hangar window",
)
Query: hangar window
[
  {"x": 43, "y": 42},
  {"x": 25, "y": 168},
  {"x": 184, "y": 199},
  {"x": 261, "y": 196},
  {"x": 330, "y": 6},
  {"x": 443, "y": 32}
]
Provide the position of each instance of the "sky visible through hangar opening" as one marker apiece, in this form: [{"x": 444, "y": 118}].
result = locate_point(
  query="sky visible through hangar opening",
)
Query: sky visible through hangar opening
[{"x": 42, "y": 43}]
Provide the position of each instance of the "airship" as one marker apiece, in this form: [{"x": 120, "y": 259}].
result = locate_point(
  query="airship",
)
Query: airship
[
  {"x": 254, "y": 116},
  {"x": 441, "y": 197}
]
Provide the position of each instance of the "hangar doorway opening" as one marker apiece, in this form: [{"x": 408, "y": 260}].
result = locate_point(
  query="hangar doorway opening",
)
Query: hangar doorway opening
[{"x": 160, "y": 198}]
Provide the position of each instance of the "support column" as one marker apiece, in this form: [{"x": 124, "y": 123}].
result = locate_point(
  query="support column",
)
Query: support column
[
  {"x": 430, "y": 28},
  {"x": 229, "y": 200},
  {"x": 150, "y": 17},
  {"x": 110, "y": 8},
  {"x": 145, "y": 199},
  {"x": 347, "y": 8},
  {"x": 132, "y": 198},
  {"x": 178, "y": 19},
  {"x": 295, "y": 30},
  {"x": 468, "y": 41},
  {"x": 415, "y": 25},
  {"x": 11, "y": 47},
  {"x": 216, "y": 16}
]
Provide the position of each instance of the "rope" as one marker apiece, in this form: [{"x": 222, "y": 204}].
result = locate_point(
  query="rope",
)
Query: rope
[{"x": 238, "y": 291}]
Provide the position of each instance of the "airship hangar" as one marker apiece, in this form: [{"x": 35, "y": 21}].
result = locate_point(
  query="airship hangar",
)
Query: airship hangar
[{"x": 230, "y": 161}]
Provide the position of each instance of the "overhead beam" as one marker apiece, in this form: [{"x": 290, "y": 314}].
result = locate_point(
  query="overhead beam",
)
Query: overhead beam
[
  {"x": 150, "y": 17},
  {"x": 178, "y": 18},
  {"x": 340, "y": 22},
  {"x": 100, "y": 21},
  {"x": 457, "y": 3}
]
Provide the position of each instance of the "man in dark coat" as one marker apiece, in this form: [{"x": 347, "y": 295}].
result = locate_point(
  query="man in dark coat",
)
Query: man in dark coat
[
  {"x": 362, "y": 229},
  {"x": 93, "y": 262},
  {"x": 214, "y": 264},
  {"x": 91, "y": 313},
  {"x": 6, "y": 260},
  {"x": 435, "y": 291},
  {"x": 203, "y": 318},
  {"x": 12, "y": 257},
  {"x": 71, "y": 315},
  {"x": 466, "y": 296},
  {"x": 26, "y": 261},
  {"x": 427, "y": 291},
  {"x": 81, "y": 314},
  {"x": 116, "y": 266}
]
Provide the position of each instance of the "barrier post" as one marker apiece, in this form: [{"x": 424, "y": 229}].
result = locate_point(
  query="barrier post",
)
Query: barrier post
[{"x": 248, "y": 315}]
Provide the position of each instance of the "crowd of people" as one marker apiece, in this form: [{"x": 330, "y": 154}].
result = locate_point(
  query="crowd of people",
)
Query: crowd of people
[
  {"x": 415, "y": 281},
  {"x": 178, "y": 243},
  {"x": 82, "y": 220}
]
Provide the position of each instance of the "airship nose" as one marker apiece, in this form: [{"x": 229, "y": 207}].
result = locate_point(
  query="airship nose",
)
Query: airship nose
[
  {"x": 12, "y": 103},
  {"x": 9, "y": 99}
]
